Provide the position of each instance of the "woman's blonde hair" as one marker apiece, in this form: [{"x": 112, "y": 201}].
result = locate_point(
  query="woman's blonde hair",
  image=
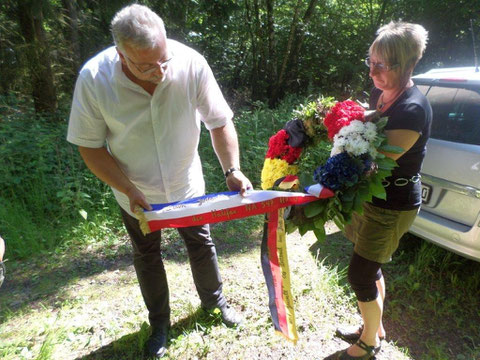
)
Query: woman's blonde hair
[{"x": 400, "y": 43}]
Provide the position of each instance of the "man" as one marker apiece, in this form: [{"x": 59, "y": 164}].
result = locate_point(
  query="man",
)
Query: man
[{"x": 145, "y": 98}]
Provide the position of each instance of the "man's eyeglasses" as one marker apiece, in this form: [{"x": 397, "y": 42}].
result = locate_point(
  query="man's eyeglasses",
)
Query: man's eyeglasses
[
  {"x": 147, "y": 69},
  {"x": 379, "y": 66}
]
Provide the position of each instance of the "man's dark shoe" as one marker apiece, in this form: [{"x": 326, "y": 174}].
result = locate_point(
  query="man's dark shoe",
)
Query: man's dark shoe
[
  {"x": 156, "y": 345},
  {"x": 228, "y": 315}
]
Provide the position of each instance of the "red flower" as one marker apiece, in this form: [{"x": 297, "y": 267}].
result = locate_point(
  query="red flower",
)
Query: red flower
[
  {"x": 292, "y": 154},
  {"x": 278, "y": 148},
  {"x": 342, "y": 114}
]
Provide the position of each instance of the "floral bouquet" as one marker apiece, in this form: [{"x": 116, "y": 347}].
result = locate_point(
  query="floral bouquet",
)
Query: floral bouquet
[{"x": 341, "y": 145}]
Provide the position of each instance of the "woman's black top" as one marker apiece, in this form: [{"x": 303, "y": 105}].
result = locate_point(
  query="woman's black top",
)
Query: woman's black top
[{"x": 411, "y": 111}]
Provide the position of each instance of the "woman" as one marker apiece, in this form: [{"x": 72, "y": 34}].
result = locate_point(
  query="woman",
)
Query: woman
[{"x": 376, "y": 234}]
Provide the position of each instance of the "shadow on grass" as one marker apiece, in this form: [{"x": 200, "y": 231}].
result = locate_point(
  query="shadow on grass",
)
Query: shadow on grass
[
  {"x": 42, "y": 278},
  {"x": 335, "y": 251},
  {"x": 430, "y": 308},
  {"x": 231, "y": 238},
  {"x": 131, "y": 346}
]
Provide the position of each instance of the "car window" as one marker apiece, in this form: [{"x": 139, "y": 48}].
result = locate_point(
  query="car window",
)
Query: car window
[{"x": 456, "y": 114}]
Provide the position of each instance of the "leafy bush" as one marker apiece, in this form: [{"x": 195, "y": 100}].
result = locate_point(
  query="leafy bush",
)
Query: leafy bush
[{"x": 43, "y": 181}]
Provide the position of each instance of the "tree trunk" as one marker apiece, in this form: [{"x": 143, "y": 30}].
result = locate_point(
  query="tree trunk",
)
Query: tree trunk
[
  {"x": 271, "y": 56},
  {"x": 253, "y": 39},
  {"x": 295, "y": 40},
  {"x": 30, "y": 19},
  {"x": 72, "y": 15},
  {"x": 301, "y": 32},
  {"x": 286, "y": 57}
]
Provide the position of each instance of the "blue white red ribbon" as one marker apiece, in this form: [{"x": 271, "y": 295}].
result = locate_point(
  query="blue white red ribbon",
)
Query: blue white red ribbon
[{"x": 226, "y": 206}]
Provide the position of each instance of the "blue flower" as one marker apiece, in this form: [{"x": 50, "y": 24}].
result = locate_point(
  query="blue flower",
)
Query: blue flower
[{"x": 342, "y": 171}]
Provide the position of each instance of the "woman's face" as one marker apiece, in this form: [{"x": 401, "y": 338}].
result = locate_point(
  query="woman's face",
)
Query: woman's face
[{"x": 386, "y": 77}]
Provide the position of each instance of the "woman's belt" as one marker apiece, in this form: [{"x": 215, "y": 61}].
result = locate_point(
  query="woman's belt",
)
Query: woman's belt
[{"x": 401, "y": 181}]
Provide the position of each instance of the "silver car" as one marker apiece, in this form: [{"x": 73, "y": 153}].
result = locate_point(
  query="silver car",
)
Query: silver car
[{"x": 450, "y": 213}]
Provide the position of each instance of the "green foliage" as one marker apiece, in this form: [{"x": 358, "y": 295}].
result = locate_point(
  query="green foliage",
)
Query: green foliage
[
  {"x": 50, "y": 199},
  {"x": 245, "y": 44},
  {"x": 44, "y": 184}
]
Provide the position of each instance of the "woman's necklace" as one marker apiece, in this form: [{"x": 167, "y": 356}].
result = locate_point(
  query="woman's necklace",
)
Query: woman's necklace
[{"x": 382, "y": 104}]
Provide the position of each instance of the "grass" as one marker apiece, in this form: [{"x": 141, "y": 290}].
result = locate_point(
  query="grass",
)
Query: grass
[
  {"x": 71, "y": 291},
  {"x": 87, "y": 304}
]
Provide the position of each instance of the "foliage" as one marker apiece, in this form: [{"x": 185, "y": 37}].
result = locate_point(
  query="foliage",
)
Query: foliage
[
  {"x": 254, "y": 126},
  {"x": 44, "y": 185},
  {"x": 51, "y": 200},
  {"x": 248, "y": 43}
]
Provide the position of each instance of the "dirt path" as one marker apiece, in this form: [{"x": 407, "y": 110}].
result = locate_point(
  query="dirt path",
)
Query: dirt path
[{"x": 90, "y": 307}]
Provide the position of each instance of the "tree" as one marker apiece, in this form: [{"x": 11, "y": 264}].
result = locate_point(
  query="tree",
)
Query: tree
[{"x": 37, "y": 55}]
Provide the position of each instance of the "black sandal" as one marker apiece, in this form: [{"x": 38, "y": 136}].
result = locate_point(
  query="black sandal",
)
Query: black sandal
[
  {"x": 351, "y": 335},
  {"x": 371, "y": 352}
]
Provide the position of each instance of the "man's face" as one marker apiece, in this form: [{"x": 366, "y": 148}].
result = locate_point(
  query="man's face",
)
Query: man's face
[{"x": 148, "y": 65}]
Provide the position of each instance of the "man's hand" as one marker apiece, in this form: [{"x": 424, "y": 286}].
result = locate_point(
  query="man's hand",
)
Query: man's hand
[
  {"x": 236, "y": 181},
  {"x": 137, "y": 198}
]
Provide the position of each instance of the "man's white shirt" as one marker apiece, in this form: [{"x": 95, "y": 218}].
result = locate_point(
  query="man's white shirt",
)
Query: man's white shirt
[{"x": 153, "y": 138}]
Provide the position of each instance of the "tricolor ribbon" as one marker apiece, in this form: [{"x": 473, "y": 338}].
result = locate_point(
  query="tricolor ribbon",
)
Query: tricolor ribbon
[{"x": 220, "y": 207}]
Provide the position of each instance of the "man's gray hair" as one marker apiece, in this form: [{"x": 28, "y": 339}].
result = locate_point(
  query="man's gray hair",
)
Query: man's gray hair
[
  {"x": 400, "y": 43},
  {"x": 137, "y": 26}
]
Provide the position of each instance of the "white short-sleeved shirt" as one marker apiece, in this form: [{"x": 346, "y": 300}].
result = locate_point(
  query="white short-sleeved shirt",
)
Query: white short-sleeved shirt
[{"x": 154, "y": 138}]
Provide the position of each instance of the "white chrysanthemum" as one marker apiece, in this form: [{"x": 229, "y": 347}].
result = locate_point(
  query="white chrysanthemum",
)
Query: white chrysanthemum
[
  {"x": 357, "y": 126},
  {"x": 336, "y": 151},
  {"x": 356, "y": 139},
  {"x": 339, "y": 142},
  {"x": 370, "y": 132},
  {"x": 357, "y": 146}
]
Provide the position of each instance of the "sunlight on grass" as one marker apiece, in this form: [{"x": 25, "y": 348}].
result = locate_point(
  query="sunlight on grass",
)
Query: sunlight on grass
[{"x": 100, "y": 314}]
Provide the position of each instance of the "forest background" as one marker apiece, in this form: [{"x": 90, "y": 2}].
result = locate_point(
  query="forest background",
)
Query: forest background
[{"x": 268, "y": 56}]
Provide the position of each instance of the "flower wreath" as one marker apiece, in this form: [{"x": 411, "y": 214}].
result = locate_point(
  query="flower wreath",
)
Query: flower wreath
[{"x": 347, "y": 142}]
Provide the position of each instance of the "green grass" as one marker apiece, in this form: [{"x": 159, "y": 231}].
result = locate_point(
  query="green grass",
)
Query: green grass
[
  {"x": 87, "y": 305},
  {"x": 71, "y": 291}
]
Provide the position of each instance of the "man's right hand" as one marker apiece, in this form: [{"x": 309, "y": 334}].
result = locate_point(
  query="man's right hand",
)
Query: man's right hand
[
  {"x": 137, "y": 198},
  {"x": 105, "y": 167}
]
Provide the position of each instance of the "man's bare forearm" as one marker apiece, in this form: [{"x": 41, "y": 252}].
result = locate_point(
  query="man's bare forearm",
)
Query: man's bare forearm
[
  {"x": 225, "y": 143},
  {"x": 103, "y": 165}
]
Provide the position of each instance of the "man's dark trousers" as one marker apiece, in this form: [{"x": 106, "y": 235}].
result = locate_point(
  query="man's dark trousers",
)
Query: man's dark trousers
[{"x": 147, "y": 260}]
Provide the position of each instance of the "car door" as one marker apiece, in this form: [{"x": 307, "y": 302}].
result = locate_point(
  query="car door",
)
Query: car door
[{"x": 451, "y": 169}]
